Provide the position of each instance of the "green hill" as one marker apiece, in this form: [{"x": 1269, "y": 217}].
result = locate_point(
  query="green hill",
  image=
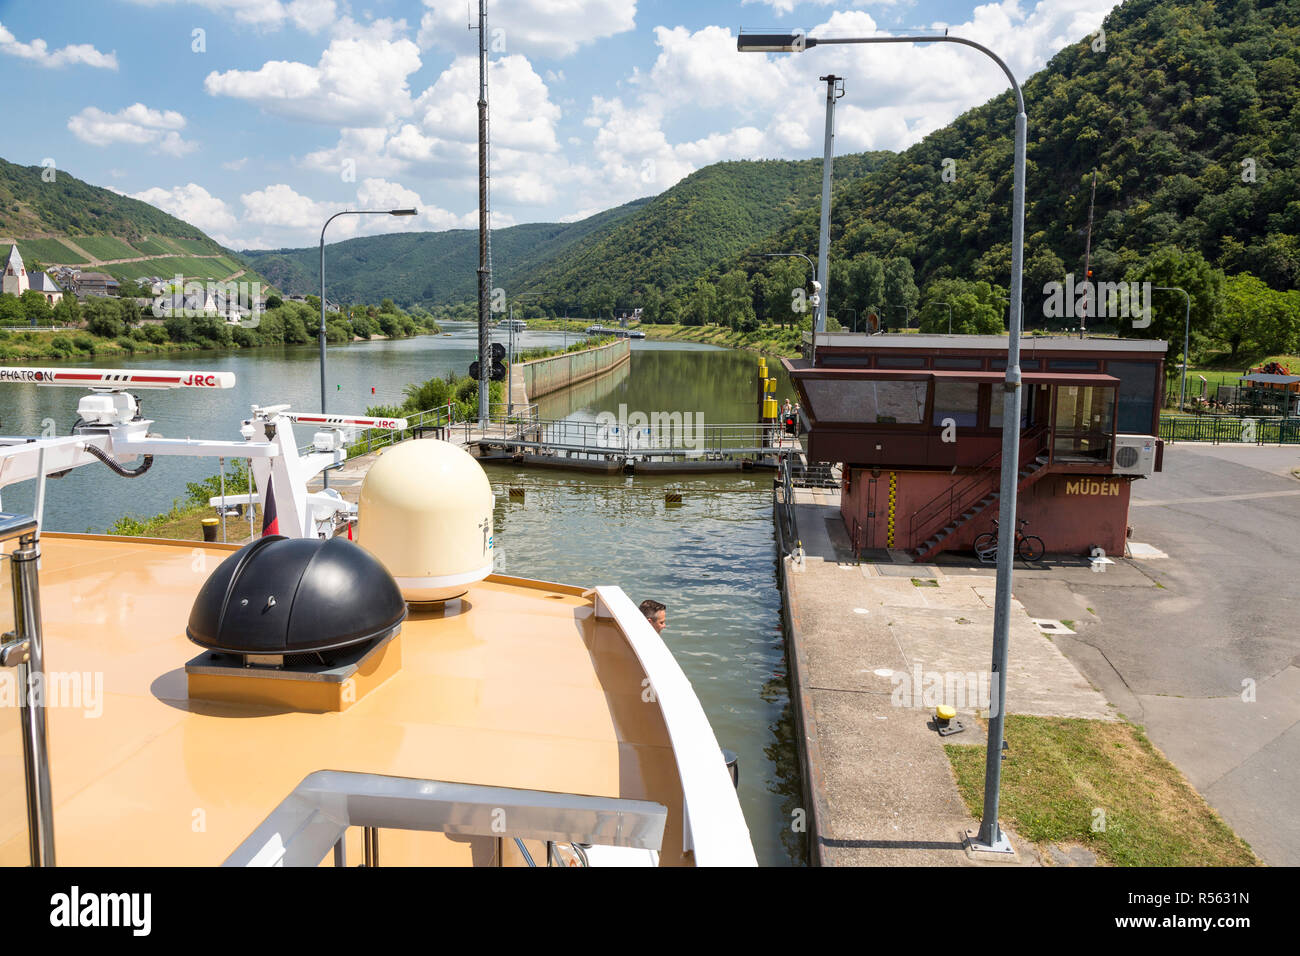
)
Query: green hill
[
  {"x": 70, "y": 222},
  {"x": 430, "y": 268},
  {"x": 30, "y": 207},
  {"x": 660, "y": 241},
  {"x": 707, "y": 217}
]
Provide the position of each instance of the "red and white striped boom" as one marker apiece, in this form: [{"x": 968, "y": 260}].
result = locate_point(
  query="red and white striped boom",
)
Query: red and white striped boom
[{"x": 115, "y": 378}]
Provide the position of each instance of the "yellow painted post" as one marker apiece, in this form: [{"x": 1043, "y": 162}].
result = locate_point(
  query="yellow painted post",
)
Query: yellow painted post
[{"x": 893, "y": 495}]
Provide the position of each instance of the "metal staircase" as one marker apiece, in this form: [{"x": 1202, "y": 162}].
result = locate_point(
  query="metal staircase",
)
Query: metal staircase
[{"x": 941, "y": 517}]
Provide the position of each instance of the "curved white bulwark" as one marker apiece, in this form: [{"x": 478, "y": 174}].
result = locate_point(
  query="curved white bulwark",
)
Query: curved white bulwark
[{"x": 714, "y": 828}]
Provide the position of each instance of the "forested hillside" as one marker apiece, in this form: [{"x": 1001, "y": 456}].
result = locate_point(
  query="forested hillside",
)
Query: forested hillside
[
  {"x": 1190, "y": 116},
  {"x": 705, "y": 218},
  {"x": 433, "y": 268}
]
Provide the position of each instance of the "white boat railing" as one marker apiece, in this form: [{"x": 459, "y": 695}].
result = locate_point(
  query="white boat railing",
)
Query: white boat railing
[{"x": 316, "y": 816}]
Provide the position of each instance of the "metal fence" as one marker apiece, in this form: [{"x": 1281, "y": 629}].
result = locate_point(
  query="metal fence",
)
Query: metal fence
[
  {"x": 670, "y": 438},
  {"x": 1224, "y": 430}
]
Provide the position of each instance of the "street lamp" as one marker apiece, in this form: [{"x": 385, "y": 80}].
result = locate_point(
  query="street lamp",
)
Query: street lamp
[
  {"x": 1187, "y": 325},
  {"x": 346, "y": 212},
  {"x": 949, "y": 305},
  {"x": 816, "y": 289},
  {"x": 990, "y": 837},
  {"x": 855, "y": 317}
]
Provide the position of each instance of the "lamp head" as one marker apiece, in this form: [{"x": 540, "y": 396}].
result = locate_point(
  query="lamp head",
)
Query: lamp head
[{"x": 794, "y": 42}]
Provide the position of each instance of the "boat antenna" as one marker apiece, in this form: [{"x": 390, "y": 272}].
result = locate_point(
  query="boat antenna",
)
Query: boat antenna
[{"x": 484, "y": 221}]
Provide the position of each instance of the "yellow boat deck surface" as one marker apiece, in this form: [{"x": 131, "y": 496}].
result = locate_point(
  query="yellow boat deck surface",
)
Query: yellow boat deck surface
[{"x": 516, "y": 686}]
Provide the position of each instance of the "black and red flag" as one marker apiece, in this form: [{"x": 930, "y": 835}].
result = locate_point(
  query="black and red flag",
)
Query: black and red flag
[{"x": 270, "y": 521}]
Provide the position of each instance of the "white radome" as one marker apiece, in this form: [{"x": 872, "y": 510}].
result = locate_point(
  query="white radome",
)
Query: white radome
[{"x": 426, "y": 513}]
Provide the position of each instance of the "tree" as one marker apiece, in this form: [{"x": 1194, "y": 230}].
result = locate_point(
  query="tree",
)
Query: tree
[
  {"x": 703, "y": 306},
  {"x": 900, "y": 293},
  {"x": 788, "y": 276},
  {"x": 860, "y": 285},
  {"x": 736, "y": 301},
  {"x": 1172, "y": 267},
  {"x": 652, "y": 303},
  {"x": 977, "y": 308},
  {"x": 1262, "y": 319},
  {"x": 11, "y": 310},
  {"x": 67, "y": 311},
  {"x": 103, "y": 318},
  {"x": 600, "y": 300},
  {"x": 35, "y": 307}
]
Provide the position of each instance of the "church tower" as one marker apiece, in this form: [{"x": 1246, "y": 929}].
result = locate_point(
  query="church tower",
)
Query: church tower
[{"x": 15, "y": 277}]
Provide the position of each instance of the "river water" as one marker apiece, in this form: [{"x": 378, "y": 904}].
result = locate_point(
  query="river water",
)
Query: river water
[{"x": 712, "y": 560}]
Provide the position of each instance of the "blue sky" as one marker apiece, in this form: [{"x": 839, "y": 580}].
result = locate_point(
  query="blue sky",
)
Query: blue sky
[{"x": 255, "y": 119}]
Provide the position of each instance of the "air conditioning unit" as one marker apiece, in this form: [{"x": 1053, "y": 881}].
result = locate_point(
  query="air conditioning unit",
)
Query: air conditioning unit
[{"x": 1135, "y": 454}]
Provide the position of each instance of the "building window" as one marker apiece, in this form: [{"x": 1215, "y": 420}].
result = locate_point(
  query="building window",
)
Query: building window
[
  {"x": 1026, "y": 365},
  {"x": 1084, "y": 419},
  {"x": 959, "y": 401},
  {"x": 1026, "y": 408},
  {"x": 864, "y": 401},
  {"x": 943, "y": 361},
  {"x": 1137, "y": 395},
  {"x": 900, "y": 361},
  {"x": 1073, "y": 365}
]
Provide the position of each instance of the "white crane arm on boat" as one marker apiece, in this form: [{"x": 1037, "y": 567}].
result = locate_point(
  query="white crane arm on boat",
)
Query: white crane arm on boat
[{"x": 115, "y": 378}]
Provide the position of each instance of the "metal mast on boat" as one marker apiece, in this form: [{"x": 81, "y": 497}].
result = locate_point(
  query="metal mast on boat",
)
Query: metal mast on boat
[{"x": 484, "y": 240}]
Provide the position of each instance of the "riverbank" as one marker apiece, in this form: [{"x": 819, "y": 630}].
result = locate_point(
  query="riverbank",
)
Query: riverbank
[
  {"x": 77, "y": 345},
  {"x": 769, "y": 340}
]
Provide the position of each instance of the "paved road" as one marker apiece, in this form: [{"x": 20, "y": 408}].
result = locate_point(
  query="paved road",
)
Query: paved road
[{"x": 1218, "y": 623}]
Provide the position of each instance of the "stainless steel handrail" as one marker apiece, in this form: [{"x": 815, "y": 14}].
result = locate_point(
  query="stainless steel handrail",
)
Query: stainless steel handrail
[{"x": 26, "y": 651}]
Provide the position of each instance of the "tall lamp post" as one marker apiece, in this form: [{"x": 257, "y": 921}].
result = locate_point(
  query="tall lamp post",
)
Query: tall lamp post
[
  {"x": 990, "y": 837},
  {"x": 1187, "y": 327},
  {"x": 346, "y": 212}
]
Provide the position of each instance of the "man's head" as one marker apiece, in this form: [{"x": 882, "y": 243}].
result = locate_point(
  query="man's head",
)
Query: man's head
[{"x": 656, "y": 614}]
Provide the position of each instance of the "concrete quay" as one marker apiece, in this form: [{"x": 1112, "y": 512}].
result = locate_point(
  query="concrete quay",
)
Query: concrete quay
[{"x": 861, "y": 638}]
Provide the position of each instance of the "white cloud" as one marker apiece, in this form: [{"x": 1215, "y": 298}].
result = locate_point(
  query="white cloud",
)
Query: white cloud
[
  {"x": 192, "y": 203},
  {"x": 235, "y": 165},
  {"x": 545, "y": 28},
  {"x": 38, "y": 52},
  {"x": 285, "y": 217},
  {"x": 360, "y": 79},
  {"x": 787, "y": 6},
  {"x": 137, "y": 124},
  {"x": 442, "y": 142},
  {"x": 772, "y": 105},
  {"x": 279, "y": 205},
  {"x": 308, "y": 15}
]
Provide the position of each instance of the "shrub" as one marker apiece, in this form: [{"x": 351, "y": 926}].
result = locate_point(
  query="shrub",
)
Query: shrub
[{"x": 126, "y": 343}]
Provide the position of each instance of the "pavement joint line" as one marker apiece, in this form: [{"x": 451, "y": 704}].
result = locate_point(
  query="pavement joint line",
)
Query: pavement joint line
[{"x": 1210, "y": 499}]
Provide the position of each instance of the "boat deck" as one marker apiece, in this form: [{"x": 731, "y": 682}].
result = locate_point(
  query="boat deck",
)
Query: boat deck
[{"x": 516, "y": 685}]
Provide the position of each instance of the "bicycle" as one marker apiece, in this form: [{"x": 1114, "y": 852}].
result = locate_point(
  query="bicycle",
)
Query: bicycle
[{"x": 1030, "y": 547}]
